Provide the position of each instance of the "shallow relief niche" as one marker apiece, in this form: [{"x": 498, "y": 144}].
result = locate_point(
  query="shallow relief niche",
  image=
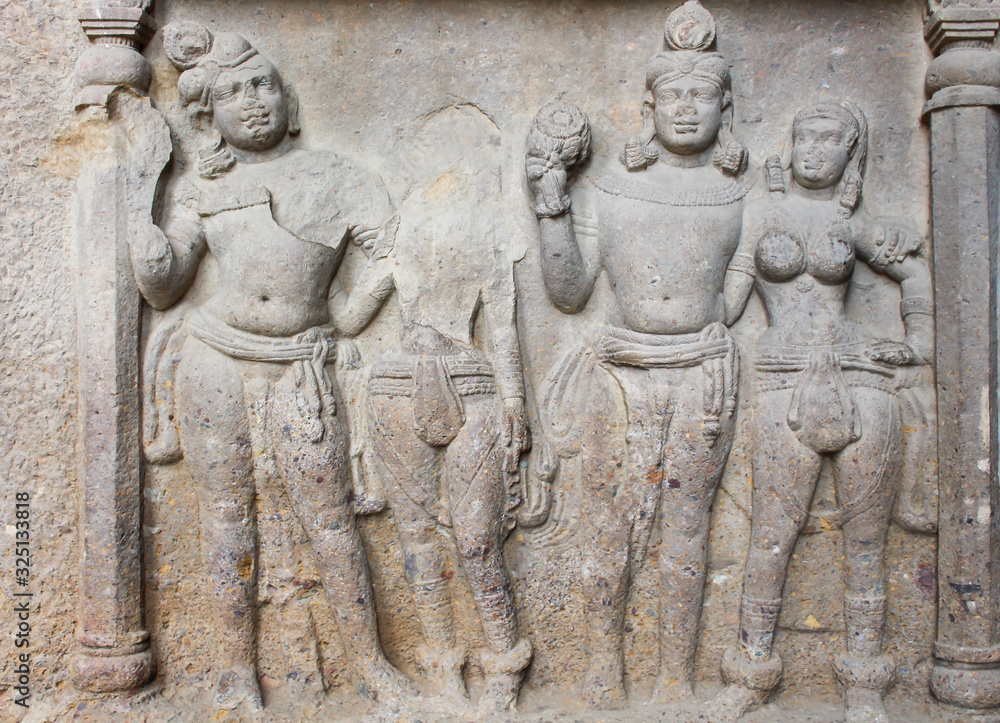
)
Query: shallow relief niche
[{"x": 289, "y": 433}]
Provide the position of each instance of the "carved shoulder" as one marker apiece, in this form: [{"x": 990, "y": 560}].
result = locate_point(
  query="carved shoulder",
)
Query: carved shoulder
[{"x": 322, "y": 196}]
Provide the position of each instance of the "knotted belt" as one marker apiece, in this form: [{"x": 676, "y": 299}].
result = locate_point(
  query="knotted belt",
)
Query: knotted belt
[
  {"x": 822, "y": 411},
  {"x": 436, "y": 385},
  {"x": 712, "y": 348},
  {"x": 308, "y": 354}
]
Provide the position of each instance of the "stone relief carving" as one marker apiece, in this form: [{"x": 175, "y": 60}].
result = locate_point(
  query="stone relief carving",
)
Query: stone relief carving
[
  {"x": 825, "y": 392},
  {"x": 242, "y": 384},
  {"x": 650, "y": 401},
  {"x": 447, "y": 419},
  {"x": 242, "y": 381}
]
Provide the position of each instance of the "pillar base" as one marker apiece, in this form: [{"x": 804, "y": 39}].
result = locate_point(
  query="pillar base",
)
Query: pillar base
[
  {"x": 97, "y": 673},
  {"x": 972, "y": 687}
]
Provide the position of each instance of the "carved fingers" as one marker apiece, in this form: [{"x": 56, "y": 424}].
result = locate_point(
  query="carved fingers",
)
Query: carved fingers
[
  {"x": 891, "y": 241},
  {"x": 891, "y": 352},
  {"x": 348, "y": 356},
  {"x": 376, "y": 243},
  {"x": 899, "y": 243},
  {"x": 515, "y": 431},
  {"x": 547, "y": 178}
]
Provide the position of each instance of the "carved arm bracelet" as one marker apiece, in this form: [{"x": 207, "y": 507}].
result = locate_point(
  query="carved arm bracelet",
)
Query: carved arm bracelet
[
  {"x": 744, "y": 264},
  {"x": 510, "y": 381},
  {"x": 916, "y": 305}
]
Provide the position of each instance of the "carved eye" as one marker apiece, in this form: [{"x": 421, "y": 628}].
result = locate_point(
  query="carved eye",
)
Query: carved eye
[{"x": 226, "y": 94}]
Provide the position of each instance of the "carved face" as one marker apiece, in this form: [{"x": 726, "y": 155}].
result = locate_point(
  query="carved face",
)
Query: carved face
[
  {"x": 687, "y": 114},
  {"x": 820, "y": 152},
  {"x": 249, "y": 106}
]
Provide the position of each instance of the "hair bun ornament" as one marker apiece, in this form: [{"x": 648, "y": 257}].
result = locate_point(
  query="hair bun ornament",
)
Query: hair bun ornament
[
  {"x": 186, "y": 42},
  {"x": 690, "y": 27}
]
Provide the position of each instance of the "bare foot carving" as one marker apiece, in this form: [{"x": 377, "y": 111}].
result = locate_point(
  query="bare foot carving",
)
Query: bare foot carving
[
  {"x": 670, "y": 691},
  {"x": 734, "y": 702},
  {"x": 604, "y": 686},
  {"x": 443, "y": 670},
  {"x": 864, "y": 706},
  {"x": 385, "y": 684},
  {"x": 504, "y": 672},
  {"x": 238, "y": 685}
]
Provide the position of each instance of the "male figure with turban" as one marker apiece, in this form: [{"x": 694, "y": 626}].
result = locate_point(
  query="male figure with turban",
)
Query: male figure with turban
[
  {"x": 650, "y": 403},
  {"x": 252, "y": 386}
]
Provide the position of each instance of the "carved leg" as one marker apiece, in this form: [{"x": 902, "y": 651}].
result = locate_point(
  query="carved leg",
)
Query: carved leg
[
  {"x": 866, "y": 475},
  {"x": 692, "y": 469},
  {"x": 440, "y": 656},
  {"x": 412, "y": 470},
  {"x": 606, "y": 580},
  {"x": 606, "y": 539},
  {"x": 215, "y": 437},
  {"x": 317, "y": 478},
  {"x": 477, "y": 491},
  {"x": 785, "y": 474}
]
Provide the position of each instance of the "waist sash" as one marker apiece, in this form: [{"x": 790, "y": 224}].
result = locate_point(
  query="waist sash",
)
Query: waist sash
[
  {"x": 822, "y": 411},
  {"x": 308, "y": 354},
  {"x": 436, "y": 385},
  {"x": 711, "y": 348}
]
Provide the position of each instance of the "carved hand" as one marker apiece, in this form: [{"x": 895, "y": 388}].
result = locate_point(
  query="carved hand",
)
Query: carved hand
[
  {"x": 348, "y": 356},
  {"x": 547, "y": 178},
  {"x": 376, "y": 243},
  {"x": 516, "y": 433},
  {"x": 892, "y": 240},
  {"x": 892, "y": 352}
]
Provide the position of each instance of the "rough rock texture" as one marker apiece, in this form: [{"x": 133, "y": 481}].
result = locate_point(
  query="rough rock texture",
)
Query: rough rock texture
[{"x": 368, "y": 78}]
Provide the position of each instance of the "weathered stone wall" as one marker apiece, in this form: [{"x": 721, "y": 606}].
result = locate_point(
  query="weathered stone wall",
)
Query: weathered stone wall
[
  {"x": 39, "y": 44},
  {"x": 368, "y": 75}
]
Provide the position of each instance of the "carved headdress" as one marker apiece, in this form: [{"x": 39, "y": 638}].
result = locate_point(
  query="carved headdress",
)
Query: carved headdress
[
  {"x": 688, "y": 38},
  {"x": 201, "y": 57}
]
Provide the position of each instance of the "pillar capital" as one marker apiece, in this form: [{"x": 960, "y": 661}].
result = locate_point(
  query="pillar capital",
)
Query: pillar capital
[
  {"x": 966, "y": 72},
  {"x": 118, "y": 31}
]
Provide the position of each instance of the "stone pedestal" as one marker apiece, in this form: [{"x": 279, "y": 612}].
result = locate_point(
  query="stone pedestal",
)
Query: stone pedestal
[{"x": 965, "y": 171}]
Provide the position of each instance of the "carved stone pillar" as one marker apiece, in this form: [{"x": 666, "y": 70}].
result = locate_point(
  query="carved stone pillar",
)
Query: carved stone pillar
[
  {"x": 111, "y": 74},
  {"x": 964, "y": 81}
]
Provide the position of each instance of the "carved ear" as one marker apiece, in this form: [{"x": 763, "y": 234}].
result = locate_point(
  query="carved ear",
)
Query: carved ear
[
  {"x": 648, "y": 129},
  {"x": 727, "y": 110},
  {"x": 648, "y": 105},
  {"x": 292, "y": 99},
  {"x": 786, "y": 149}
]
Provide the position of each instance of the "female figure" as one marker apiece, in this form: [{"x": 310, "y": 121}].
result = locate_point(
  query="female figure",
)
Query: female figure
[
  {"x": 446, "y": 418},
  {"x": 825, "y": 393}
]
